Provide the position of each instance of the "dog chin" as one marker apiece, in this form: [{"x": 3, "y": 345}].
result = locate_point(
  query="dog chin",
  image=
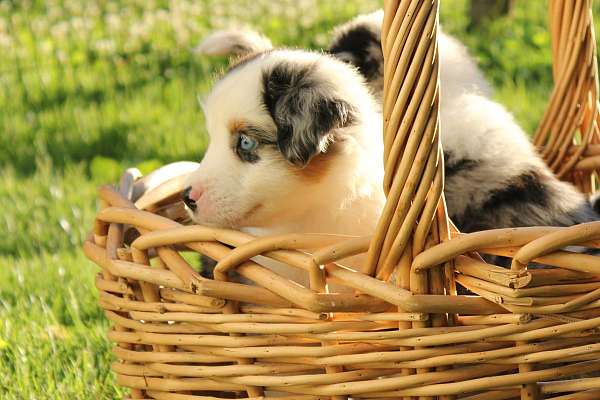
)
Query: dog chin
[
  {"x": 231, "y": 222},
  {"x": 199, "y": 220}
]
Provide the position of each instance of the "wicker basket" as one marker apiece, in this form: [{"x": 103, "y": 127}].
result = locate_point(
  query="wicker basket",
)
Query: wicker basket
[{"x": 525, "y": 335}]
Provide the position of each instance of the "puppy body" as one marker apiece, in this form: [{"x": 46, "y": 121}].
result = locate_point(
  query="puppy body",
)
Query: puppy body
[{"x": 494, "y": 177}]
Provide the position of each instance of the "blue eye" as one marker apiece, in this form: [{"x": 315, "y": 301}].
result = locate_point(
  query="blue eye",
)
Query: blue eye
[{"x": 247, "y": 143}]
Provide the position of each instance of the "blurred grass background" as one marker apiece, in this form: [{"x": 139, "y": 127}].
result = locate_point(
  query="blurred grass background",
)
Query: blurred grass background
[{"x": 88, "y": 88}]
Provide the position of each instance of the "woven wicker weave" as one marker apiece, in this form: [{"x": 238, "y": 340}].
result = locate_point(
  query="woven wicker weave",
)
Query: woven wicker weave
[
  {"x": 572, "y": 113},
  {"x": 180, "y": 336}
]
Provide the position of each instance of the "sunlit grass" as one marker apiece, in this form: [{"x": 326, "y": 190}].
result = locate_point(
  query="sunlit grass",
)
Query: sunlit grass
[{"x": 53, "y": 336}]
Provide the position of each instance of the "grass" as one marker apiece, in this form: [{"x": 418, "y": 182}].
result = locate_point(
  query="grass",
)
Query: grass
[{"x": 88, "y": 88}]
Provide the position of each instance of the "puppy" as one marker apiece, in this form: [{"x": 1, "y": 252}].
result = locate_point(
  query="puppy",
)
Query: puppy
[
  {"x": 295, "y": 143},
  {"x": 494, "y": 177},
  {"x": 294, "y": 147}
]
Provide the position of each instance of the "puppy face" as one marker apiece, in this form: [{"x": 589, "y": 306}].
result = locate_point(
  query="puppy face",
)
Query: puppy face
[{"x": 282, "y": 127}]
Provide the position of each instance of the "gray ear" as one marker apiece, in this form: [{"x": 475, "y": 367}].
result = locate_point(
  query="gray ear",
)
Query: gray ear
[{"x": 303, "y": 112}]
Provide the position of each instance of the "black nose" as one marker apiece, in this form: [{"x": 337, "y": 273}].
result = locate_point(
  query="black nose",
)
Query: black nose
[{"x": 187, "y": 200}]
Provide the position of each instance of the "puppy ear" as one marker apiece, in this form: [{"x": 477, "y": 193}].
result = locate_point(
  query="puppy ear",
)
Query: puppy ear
[
  {"x": 358, "y": 42},
  {"x": 303, "y": 111},
  {"x": 238, "y": 42}
]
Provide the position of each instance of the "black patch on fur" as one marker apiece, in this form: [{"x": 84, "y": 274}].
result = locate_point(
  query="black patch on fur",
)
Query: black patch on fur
[
  {"x": 360, "y": 42},
  {"x": 595, "y": 203},
  {"x": 526, "y": 188},
  {"x": 453, "y": 166},
  {"x": 522, "y": 193},
  {"x": 303, "y": 113}
]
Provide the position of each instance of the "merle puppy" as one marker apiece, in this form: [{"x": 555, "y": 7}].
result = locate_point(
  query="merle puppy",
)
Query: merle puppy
[{"x": 295, "y": 142}]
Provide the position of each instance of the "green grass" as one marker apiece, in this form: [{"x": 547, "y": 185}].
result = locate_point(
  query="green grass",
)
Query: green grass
[{"x": 88, "y": 88}]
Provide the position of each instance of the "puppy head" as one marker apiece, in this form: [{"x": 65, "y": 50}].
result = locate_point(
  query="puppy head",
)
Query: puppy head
[{"x": 281, "y": 123}]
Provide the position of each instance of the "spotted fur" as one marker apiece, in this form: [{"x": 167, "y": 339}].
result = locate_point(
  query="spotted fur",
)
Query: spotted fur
[
  {"x": 494, "y": 177},
  {"x": 308, "y": 104},
  {"x": 305, "y": 114}
]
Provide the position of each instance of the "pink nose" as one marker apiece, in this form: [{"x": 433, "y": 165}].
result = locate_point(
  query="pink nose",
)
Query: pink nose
[
  {"x": 190, "y": 196},
  {"x": 196, "y": 193}
]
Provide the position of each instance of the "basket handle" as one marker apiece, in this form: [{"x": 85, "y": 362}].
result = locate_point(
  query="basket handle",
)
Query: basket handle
[
  {"x": 570, "y": 122},
  {"x": 414, "y": 214}
]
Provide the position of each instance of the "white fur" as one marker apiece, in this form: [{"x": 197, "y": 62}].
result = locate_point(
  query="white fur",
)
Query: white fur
[
  {"x": 233, "y": 41},
  {"x": 346, "y": 200}
]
